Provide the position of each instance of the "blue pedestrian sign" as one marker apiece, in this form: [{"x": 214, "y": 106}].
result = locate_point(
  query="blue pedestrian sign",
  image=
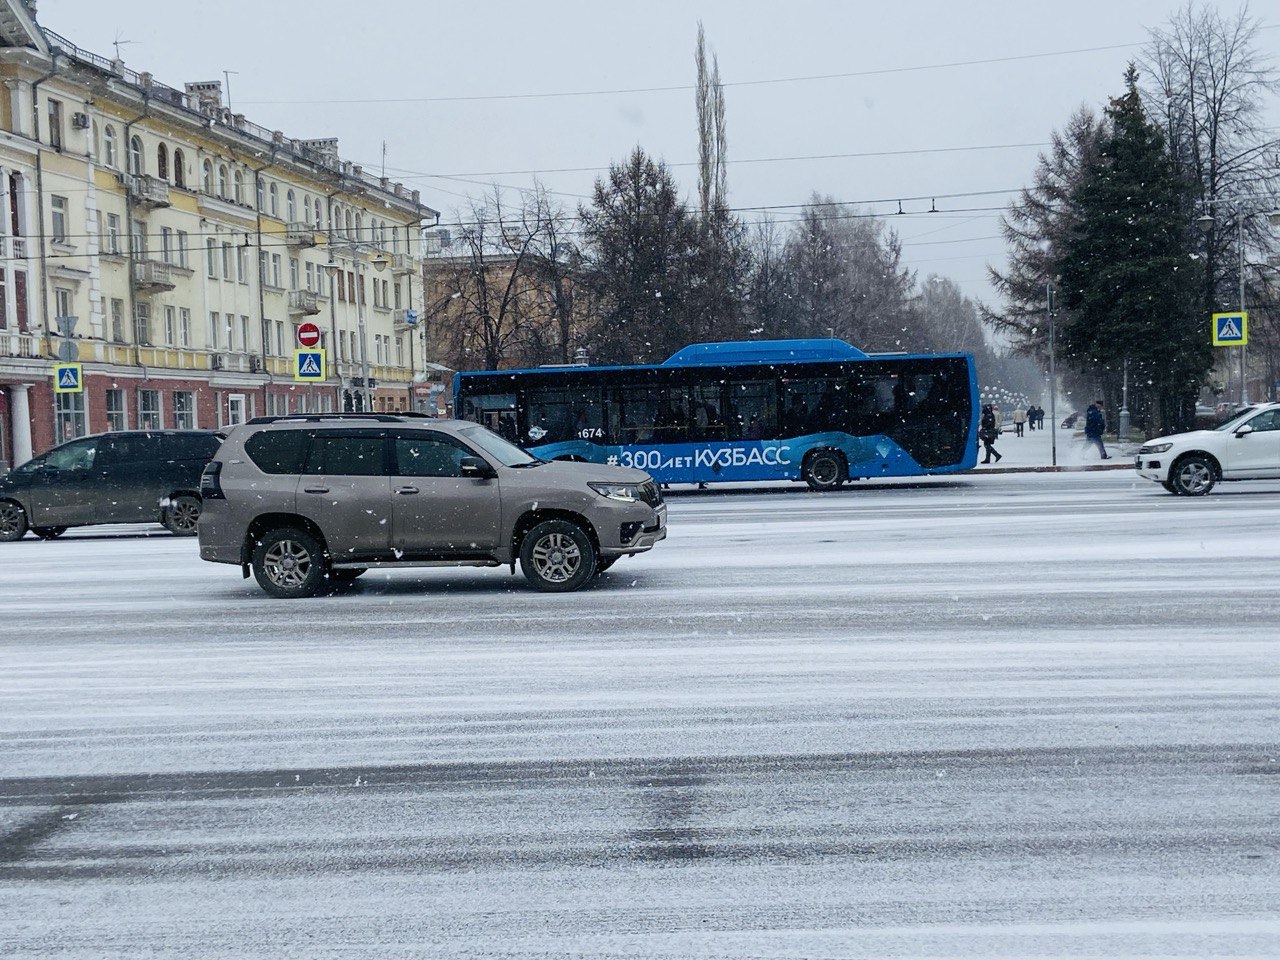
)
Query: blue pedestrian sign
[
  {"x": 68, "y": 378},
  {"x": 1230, "y": 329},
  {"x": 308, "y": 365}
]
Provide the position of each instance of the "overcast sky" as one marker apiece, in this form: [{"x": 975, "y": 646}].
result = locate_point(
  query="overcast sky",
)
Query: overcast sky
[{"x": 446, "y": 86}]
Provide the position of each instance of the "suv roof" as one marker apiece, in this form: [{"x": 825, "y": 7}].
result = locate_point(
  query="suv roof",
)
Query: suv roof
[{"x": 322, "y": 417}]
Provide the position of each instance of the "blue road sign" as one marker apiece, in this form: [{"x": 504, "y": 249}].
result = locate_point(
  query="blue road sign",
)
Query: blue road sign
[
  {"x": 308, "y": 365},
  {"x": 68, "y": 378},
  {"x": 1230, "y": 329}
]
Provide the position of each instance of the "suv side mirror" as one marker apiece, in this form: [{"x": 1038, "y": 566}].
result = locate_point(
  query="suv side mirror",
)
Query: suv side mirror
[
  {"x": 1244, "y": 430},
  {"x": 476, "y": 468}
]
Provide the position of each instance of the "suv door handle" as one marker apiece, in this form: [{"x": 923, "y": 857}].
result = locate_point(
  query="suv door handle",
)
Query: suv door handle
[
  {"x": 407, "y": 490},
  {"x": 315, "y": 489}
]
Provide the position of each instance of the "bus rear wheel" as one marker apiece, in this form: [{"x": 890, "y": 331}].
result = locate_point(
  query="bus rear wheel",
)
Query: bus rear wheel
[{"x": 825, "y": 470}]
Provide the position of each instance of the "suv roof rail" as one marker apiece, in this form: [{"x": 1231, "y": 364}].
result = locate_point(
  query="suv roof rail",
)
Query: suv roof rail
[{"x": 320, "y": 417}]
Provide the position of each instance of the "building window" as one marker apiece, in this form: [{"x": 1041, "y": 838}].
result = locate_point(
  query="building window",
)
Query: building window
[
  {"x": 293, "y": 273},
  {"x": 280, "y": 338},
  {"x": 211, "y": 258},
  {"x": 109, "y": 146},
  {"x": 136, "y": 164},
  {"x": 207, "y": 180},
  {"x": 139, "y": 239},
  {"x": 179, "y": 169},
  {"x": 222, "y": 180},
  {"x": 399, "y": 351},
  {"x": 162, "y": 162},
  {"x": 182, "y": 248},
  {"x": 213, "y": 330},
  {"x": 70, "y": 416},
  {"x": 112, "y": 243},
  {"x": 62, "y": 302},
  {"x": 117, "y": 417},
  {"x": 59, "y": 207},
  {"x": 244, "y": 333},
  {"x": 55, "y": 124},
  {"x": 342, "y": 287},
  {"x": 306, "y": 207},
  {"x": 290, "y": 206},
  {"x": 266, "y": 338},
  {"x": 142, "y": 324},
  {"x": 275, "y": 270},
  {"x": 242, "y": 264},
  {"x": 396, "y": 290},
  {"x": 117, "y": 321},
  {"x": 170, "y": 326},
  {"x": 166, "y": 244},
  {"x": 226, "y": 261},
  {"x": 262, "y": 196},
  {"x": 342, "y": 344},
  {"x": 237, "y": 186},
  {"x": 230, "y": 321},
  {"x": 184, "y": 410},
  {"x": 184, "y": 326},
  {"x": 275, "y": 200},
  {"x": 262, "y": 267},
  {"x": 149, "y": 416}
]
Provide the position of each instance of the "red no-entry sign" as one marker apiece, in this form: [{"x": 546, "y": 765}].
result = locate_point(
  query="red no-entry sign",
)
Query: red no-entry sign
[{"x": 308, "y": 334}]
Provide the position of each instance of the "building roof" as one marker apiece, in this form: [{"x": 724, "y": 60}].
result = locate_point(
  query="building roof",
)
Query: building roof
[{"x": 18, "y": 27}]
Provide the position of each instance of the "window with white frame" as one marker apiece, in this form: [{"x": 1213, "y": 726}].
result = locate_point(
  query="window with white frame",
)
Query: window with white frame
[
  {"x": 244, "y": 333},
  {"x": 206, "y": 178},
  {"x": 242, "y": 264},
  {"x": 137, "y": 165},
  {"x": 58, "y": 217},
  {"x": 184, "y": 326},
  {"x": 117, "y": 414},
  {"x": 182, "y": 248},
  {"x": 139, "y": 230},
  {"x": 226, "y": 261},
  {"x": 229, "y": 328},
  {"x": 237, "y": 186},
  {"x": 149, "y": 415},
  {"x": 109, "y": 147},
  {"x": 311, "y": 276},
  {"x": 275, "y": 270},
  {"x": 117, "y": 321},
  {"x": 170, "y": 325},
  {"x": 274, "y": 194},
  {"x": 261, "y": 188},
  {"x": 112, "y": 244},
  {"x": 224, "y": 181},
  {"x": 280, "y": 338},
  {"x": 166, "y": 244},
  {"x": 293, "y": 273},
  {"x": 142, "y": 324},
  {"x": 211, "y": 258},
  {"x": 184, "y": 410},
  {"x": 62, "y": 302},
  {"x": 291, "y": 206},
  {"x": 266, "y": 338},
  {"x": 71, "y": 420},
  {"x": 213, "y": 329},
  {"x": 399, "y": 351}
]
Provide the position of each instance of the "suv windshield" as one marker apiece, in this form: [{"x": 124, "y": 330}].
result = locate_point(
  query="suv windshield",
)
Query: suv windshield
[
  {"x": 1239, "y": 418},
  {"x": 508, "y": 454}
]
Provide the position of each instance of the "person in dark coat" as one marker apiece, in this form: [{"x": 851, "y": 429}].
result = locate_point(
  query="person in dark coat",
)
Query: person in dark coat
[
  {"x": 1095, "y": 425},
  {"x": 987, "y": 433}
]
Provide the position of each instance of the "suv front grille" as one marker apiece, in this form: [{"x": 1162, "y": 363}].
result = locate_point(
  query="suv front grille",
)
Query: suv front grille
[{"x": 650, "y": 493}]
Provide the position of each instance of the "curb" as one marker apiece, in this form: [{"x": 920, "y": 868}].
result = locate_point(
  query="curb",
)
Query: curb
[{"x": 1081, "y": 468}]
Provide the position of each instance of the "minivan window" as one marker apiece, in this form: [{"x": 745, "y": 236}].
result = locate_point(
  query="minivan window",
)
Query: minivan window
[
  {"x": 129, "y": 448},
  {"x": 278, "y": 451},
  {"x": 339, "y": 456},
  {"x": 77, "y": 455},
  {"x": 508, "y": 454},
  {"x": 190, "y": 446}
]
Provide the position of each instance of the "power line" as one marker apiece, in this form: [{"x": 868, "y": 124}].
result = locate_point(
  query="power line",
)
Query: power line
[{"x": 885, "y": 71}]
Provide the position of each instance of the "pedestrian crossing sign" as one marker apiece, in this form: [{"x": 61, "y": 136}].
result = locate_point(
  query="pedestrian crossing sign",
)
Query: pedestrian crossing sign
[
  {"x": 1230, "y": 329},
  {"x": 68, "y": 378},
  {"x": 308, "y": 365}
]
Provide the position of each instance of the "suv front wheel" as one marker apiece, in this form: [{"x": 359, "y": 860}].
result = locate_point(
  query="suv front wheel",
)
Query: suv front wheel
[
  {"x": 1193, "y": 476},
  {"x": 289, "y": 563},
  {"x": 557, "y": 556}
]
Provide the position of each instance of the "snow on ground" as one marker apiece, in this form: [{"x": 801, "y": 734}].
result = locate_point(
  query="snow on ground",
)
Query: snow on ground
[{"x": 1020, "y": 715}]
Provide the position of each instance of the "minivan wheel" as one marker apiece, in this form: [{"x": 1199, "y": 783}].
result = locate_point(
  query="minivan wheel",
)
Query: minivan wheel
[
  {"x": 289, "y": 563},
  {"x": 557, "y": 556},
  {"x": 824, "y": 471},
  {"x": 48, "y": 533},
  {"x": 182, "y": 514},
  {"x": 13, "y": 521},
  {"x": 1193, "y": 476}
]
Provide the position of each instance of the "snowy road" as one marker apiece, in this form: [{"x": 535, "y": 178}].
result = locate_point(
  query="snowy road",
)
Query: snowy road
[{"x": 1014, "y": 716}]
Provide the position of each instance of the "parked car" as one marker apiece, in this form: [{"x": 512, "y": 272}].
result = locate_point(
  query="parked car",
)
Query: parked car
[
  {"x": 131, "y": 476},
  {"x": 1246, "y": 447},
  {"x": 308, "y": 502}
]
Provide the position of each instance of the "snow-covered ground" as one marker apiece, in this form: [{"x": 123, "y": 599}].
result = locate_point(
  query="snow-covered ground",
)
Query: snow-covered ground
[{"x": 1023, "y": 715}]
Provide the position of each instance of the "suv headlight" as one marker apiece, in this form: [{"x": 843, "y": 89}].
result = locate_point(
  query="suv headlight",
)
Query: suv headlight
[
  {"x": 1155, "y": 448},
  {"x": 625, "y": 492}
]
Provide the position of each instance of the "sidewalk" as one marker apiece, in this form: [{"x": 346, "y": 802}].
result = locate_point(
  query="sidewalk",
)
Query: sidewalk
[{"x": 1033, "y": 452}]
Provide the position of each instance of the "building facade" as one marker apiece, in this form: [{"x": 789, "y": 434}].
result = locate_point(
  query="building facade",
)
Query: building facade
[{"x": 172, "y": 248}]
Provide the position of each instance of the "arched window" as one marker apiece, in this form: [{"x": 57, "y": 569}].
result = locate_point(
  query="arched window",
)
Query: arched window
[
  {"x": 179, "y": 169},
  {"x": 162, "y": 162},
  {"x": 97, "y": 142},
  {"x": 275, "y": 200},
  {"x": 306, "y": 207},
  {"x": 349, "y": 223},
  {"x": 207, "y": 182},
  {"x": 319, "y": 215},
  {"x": 135, "y": 156},
  {"x": 359, "y": 226},
  {"x": 109, "y": 146},
  {"x": 262, "y": 195},
  {"x": 290, "y": 207},
  {"x": 237, "y": 186},
  {"x": 222, "y": 180}
]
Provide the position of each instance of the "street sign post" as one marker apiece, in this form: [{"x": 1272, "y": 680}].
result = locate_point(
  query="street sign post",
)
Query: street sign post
[
  {"x": 308, "y": 334},
  {"x": 308, "y": 366},
  {"x": 68, "y": 378}
]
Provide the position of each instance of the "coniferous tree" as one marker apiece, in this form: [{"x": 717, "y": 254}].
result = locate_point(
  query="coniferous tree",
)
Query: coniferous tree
[{"x": 1127, "y": 269}]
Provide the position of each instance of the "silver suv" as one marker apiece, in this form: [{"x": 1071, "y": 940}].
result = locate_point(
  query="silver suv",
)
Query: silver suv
[{"x": 309, "y": 502}]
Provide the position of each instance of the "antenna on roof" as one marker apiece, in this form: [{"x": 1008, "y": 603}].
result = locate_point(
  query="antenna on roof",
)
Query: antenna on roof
[
  {"x": 118, "y": 43},
  {"x": 226, "y": 75}
]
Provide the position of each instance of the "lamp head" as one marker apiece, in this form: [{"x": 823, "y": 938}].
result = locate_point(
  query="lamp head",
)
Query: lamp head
[
  {"x": 331, "y": 269},
  {"x": 380, "y": 262},
  {"x": 1205, "y": 223},
  {"x": 1273, "y": 218}
]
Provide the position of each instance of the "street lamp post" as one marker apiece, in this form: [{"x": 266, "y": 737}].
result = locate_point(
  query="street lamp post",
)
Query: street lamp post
[
  {"x": 1053, "y": 378},
  {"x": 1206, "y": 223},
  {"x": 379, "y": 263}
]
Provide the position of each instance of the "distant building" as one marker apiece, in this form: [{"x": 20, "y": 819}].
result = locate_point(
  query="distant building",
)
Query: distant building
[{"x": 172, "y": 247}]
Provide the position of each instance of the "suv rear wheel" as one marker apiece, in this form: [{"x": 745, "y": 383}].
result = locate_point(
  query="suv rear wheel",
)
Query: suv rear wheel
[
  {"x": 557, "y": 556},
  {"x": 181, "y": 515},
  {"x": 289, "y": 563},
  {"x": 13, "y": 521}
]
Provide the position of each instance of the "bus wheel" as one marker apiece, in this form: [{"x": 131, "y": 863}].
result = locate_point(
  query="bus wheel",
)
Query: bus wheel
[{"x": 824, "y": 470}]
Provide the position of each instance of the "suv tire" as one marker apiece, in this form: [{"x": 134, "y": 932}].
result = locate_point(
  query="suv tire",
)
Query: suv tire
[
  {"x": 1193, "y": 475},
  {"x": 604, "y": 563},
  {"x": 289, "y": 563},
  {"x": 557, "y": 556},
  {"x": 13, "y": 521},
  {"x": 48, "y": 533},
  {"x": 181, "y": 515},
  {"x": 824, "y": 470}
]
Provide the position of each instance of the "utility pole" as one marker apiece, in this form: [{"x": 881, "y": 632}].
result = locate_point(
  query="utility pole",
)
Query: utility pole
[
  {"x": 1244, "y": 390},
  {"x": 1053, "y": 378}
]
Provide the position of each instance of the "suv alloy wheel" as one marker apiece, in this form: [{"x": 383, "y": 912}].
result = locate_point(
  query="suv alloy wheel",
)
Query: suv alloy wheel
[
  {"x": 289, "y": 563},
  {"x": 1193, "y": 476},
  {"x": 557, "y": 556}
]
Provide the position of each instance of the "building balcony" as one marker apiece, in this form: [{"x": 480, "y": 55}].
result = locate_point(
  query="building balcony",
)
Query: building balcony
[
  {"x": 19, "y": 344},
  {"x": 152, "y": 276},
  {"x": 299, "y": 234},
  {"x": 148, "y": 192},
  {"x": 406, "y": 318},
  {"x": 304, "y": 303},
  {"x": 403, "y": 263}
]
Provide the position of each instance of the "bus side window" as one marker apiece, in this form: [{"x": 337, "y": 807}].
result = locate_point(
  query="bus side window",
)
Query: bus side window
[
  {"x": 751, "y": 410},
  {"x": 708, "y": 421},
  {"x": 653, "y": 416}
]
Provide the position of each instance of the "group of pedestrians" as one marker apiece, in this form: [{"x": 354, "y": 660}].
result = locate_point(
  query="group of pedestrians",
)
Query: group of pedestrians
[{"x": 989, "y": 428}]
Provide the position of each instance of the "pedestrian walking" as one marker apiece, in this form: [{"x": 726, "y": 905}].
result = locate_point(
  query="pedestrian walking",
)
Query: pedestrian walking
[
  {"x": 1095, "y": 425},
  {"x": 988, "y": 431},
  {"x": 1019, "y": 420}
]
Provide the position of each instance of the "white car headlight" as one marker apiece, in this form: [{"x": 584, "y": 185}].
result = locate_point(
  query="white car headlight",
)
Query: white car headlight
[
  {"x": 1156, "y": 448},
  {"x": 625, "y": 492}
]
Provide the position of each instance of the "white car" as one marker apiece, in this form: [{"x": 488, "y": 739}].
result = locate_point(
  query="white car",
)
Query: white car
[{"x": 1246, "y": 447}]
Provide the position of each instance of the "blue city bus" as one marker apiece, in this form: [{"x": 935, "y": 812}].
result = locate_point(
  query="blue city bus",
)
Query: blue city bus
[{"x": 821, "y": 411}]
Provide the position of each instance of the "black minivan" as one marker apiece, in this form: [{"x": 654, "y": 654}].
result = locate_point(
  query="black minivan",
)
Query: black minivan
[{"x": 133, "y": 476}]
